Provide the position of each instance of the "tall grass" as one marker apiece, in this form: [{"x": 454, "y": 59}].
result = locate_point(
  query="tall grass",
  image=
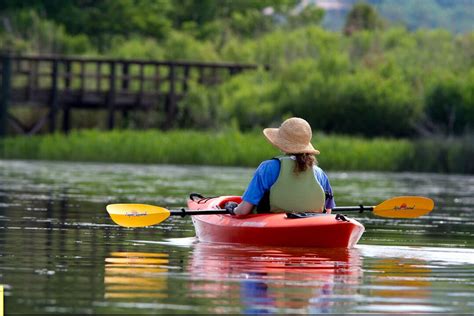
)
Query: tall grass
[{"x": 233, "y": 148}]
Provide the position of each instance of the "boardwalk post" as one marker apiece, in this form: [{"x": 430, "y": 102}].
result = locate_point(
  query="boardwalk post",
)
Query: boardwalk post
[
  {"x": 5, "y": 96},
  {"x": 125, "y": 87},
  {"x": 171, "y": 100},
  {"x": 66, "y": 109},
  {"x": 186, "y": 79},
  {"x": 125, "y": 76},
  {"x": 54, "y": 97},
  {"x": 111, "y": 96}
]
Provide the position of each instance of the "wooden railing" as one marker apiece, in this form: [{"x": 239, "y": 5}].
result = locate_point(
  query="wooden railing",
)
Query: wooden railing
[{"x": 66, "y": 83}]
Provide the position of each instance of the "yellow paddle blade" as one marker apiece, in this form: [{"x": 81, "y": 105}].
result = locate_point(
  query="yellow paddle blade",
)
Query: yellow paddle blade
[
  {"x": 137, "y": 215},
  {"x": 404, "y": 207}
]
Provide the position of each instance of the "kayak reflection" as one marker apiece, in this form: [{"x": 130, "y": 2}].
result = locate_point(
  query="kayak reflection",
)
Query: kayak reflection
[
  {"x": 135, "y": 275},
  {"x": 267, "y": 280}
]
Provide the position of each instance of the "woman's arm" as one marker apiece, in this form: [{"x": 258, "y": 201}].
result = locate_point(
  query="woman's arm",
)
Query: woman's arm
[{"x": 244, "y": 208}]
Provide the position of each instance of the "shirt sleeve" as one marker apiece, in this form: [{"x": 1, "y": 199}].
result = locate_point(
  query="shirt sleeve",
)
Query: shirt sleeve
[
  {"x": 324, "y": 182},
  {"x": 264, "y": 177}
]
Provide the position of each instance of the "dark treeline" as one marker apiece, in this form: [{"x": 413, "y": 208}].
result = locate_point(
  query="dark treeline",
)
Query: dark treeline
[{"x": 373, "y": 77}]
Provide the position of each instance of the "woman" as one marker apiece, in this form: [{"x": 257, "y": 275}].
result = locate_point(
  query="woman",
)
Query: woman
[{"x": 290, "y": 183}]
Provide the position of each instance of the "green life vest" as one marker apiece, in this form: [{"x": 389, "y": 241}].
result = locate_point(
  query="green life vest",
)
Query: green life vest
[{"x": 296, "y": 192}]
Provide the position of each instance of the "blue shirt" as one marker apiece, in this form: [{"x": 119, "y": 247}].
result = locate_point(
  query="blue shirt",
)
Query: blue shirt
[{"x": 267, "y": 174}]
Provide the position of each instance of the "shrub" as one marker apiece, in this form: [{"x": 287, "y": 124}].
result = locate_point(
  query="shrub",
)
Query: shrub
[
  {"x": 363, "y": 103},
  {"x": 449, "y": 105}
]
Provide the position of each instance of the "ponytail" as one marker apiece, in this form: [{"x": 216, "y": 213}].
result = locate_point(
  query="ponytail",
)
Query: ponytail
[{"x": 303, "y": 162}]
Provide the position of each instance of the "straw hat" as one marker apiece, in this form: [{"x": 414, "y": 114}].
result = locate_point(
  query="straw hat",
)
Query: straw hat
[{"x": 293, "y": 137}]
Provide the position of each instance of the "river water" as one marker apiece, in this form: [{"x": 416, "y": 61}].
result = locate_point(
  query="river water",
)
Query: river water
[{"x": 61, "y": 253}]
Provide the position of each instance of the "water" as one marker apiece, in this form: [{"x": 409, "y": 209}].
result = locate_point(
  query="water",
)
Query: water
[{"x": 61, "y": 253}]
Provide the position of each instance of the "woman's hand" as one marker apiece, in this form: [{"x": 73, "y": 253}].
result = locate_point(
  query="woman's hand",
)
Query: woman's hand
[
  {"x": 243, "y": 208},
  {"x": 230, "y": 207}
]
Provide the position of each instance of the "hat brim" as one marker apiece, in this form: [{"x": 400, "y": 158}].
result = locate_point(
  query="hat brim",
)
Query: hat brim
[{"x": 273, "y": 136}]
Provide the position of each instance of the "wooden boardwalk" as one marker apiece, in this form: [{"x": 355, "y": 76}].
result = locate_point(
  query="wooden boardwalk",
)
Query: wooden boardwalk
[{"x": 66, "y": 83}]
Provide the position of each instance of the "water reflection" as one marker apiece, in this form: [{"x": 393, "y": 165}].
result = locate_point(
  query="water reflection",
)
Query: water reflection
[
  {"x": 402, "y": 279},
  {"x": 257, "y": 280},
  {"x": 268, "y": 280},
  {"x": 399, "y": 285},
  {"x": 411, "y": 280},
  {"x": 131, "y": 275}
]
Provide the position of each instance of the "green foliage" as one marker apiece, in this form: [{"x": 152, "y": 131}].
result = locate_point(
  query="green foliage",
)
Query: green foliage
[
  {"x": 248, "y": 100},
  {"x": 373, "y": 83},
  {"x": 189, "y": 147},
  {"x": 450, "y": 106},
  {"x": 251, "y": 23},
  {"x": 309, "y": 16},
  {"x": 136, "y": 48},
  {"x": 353, "y": 153},
  {"x": 233, "y": 148},
  {"x": 24, "y": 31},
  {"x": 449, "y": 155},
  {"x": 468, "y": 100},
  {"x": 282, "y": 47},
  {"x": 101, "y": 20},
  {"x": 204, "y": 11},
  {"x": 365, "y": 104},
  {"x": 200, "y": 109},
  {"x": 177, "y": 46},
  {"x": 180, "y": 46}
]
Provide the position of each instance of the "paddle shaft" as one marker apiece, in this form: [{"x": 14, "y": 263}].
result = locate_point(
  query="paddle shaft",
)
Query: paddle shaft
[
  {"x": 184, "y": 212},
  {"x": 359, "y": 208}
]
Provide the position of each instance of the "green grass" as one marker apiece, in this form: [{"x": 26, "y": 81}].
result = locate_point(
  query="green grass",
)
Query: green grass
[{"x": 233, "y": 148}]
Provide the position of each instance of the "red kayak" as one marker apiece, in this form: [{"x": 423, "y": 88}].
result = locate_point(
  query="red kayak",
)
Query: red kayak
[{"x": 274, "y": 229}]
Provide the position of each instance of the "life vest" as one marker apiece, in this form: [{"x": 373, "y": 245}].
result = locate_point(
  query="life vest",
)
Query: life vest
[{"x": 293, "y": 192}]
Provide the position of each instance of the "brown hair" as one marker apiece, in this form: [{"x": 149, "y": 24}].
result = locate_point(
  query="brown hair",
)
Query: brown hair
[{"x": 303, "y": 162}]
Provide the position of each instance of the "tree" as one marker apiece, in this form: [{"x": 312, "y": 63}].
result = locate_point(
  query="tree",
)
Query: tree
[{"x": 362, "y": 17}]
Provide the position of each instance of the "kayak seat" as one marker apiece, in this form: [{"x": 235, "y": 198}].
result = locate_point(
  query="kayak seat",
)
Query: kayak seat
[
  {"x": 201, "y": 199},
  {"x": 236, "y": 199}
]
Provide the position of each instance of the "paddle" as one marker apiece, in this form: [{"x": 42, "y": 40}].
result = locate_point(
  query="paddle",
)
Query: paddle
[{"x": 140, "y": 215}]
